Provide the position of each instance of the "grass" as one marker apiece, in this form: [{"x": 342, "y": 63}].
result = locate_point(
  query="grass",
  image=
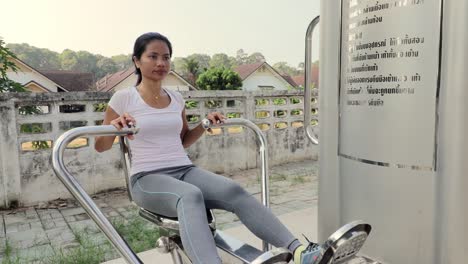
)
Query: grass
[
  {"x": 140, "y": 235},
  {"x": 300, "y": 180},
  {"x": 278, "y": 177},
  {"x": 88, "y": 251},
  {"x": 10, "y": 256}
]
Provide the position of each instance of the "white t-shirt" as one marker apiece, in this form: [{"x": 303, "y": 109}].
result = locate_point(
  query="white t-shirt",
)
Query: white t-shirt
[{"x": 158, "y": 144}]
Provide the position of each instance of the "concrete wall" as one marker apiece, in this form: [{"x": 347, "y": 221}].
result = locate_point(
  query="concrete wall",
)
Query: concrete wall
[{"x": 26, "y": 175}]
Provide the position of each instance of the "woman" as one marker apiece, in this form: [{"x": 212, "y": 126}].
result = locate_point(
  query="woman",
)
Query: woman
[{"x": 164, "y": 180}]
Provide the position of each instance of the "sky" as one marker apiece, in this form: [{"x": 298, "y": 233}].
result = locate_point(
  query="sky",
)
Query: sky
[{"x": 276, "y": 28}]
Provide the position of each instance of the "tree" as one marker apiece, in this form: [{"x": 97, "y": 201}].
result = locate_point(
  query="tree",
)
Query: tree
[
  {"x": 241, "y": 57},
  {"x": 104, "y": 67},
  {"x": 7, "y": 64},
  {"x": 203, "y": 61},
  {"x": 220, "y": 60},
  {"x": 283, "y": 68},
  {"x": 219, "y": 79},
  {"x": 42, "y": 59},
  {"x": 68, "y": 60},
  {"x": 178, "y": 65},
  {"x": 87, "y": 62},
  {"x": 122, "y": 61},
  {"x": 255, "y": 57},
  {"x": 192, "y": 68}
]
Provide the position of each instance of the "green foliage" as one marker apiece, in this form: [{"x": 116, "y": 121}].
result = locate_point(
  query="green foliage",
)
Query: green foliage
[
  {"x": 122, "y": 62},
  {"x": 221, "y": 60},
  {"x": 81, "y": 61},
  {"x": 233, "y": 115},
  {"x": 189, "y": 67},
  {"x": 192, "y": 68},
  {"x": 203, "y": 61},
  {"x": 36, "y": 57},
  {"x": 283, "y": 68},
  {"x": 260, "y": 102},
  {"x": 10, "y": 256},
  {"x": 140, "y": 234},
  {"x": 88, "y": 252},
  {"x": 6, "y": 65},
  {"x": 219, "y": 79},
  {"x": 191, "y": 104},
  {"x": 244, "y": 58},
  {"x": 100, "y": 107},
  {"x": 35, "y": 128},
  {"x": 295, "y": 100},
  {"x": 213, "y": 104},
  {"x": 296, "y": 112},
  {"x": 279, "y": 101}
]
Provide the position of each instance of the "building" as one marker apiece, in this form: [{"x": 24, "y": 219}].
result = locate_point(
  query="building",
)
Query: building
[
  {"x": 261, "y": 76},
  {"x": 32, "y": 79},
  {"x": 127, "y": 78}
]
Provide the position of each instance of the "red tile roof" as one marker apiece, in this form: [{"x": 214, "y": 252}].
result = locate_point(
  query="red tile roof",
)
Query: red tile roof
[
  {"x": 299, "y": 79},
  {"x": 246, "y": 70},
  {"x": 290, "y": 80},
  {"x": 111, "y": 80},
  {"x": 72, "y": 81}
]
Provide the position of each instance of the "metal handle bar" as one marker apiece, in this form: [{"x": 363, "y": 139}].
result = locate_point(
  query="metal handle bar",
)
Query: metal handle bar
[
  {"x": 80, "y": 194},
  {"x": 308, "y": 79},
  {"x": 263, "y": 155}
]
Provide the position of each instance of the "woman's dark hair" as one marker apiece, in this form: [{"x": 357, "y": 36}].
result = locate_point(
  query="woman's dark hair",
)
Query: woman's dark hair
[{"x": 140, "y": 47}]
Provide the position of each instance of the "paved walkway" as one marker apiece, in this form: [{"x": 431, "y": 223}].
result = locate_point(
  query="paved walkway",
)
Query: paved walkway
[{"x": 37, "y": 235}]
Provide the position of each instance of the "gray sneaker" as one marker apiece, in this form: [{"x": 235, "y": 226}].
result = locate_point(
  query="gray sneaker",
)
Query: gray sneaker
[{"x": 340, "y": 247}]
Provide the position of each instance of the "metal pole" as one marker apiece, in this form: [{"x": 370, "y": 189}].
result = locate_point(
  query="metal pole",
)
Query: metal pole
[
  {"x": 80, "y": 194},
  {"x": 308, "y": 79},
  {"x": 263, "y": 156}
]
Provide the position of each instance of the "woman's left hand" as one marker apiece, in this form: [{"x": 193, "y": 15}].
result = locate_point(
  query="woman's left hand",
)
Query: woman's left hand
[{"x": 216, "y": 118}]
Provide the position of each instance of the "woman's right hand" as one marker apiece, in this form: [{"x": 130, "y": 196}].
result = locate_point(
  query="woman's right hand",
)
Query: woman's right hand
[{"x": 122, "y": 121}]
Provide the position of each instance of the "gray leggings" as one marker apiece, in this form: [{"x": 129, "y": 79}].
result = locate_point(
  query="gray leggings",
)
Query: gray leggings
[{"x": 186, "y": 191}]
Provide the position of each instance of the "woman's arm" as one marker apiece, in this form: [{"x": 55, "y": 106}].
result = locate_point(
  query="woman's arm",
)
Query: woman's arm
[
  {"x": 190, "y": 136},
  {"x": 103, "y": 143}
]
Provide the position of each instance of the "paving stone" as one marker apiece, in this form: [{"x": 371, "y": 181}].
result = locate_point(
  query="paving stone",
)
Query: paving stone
[
  {"x": 72, "y": 211},
  {"x": 2, "y": 228},
  {"x": 84, "y": 226},
  {"x": 56, "y": 215},
  {"x": 45, "y": 217},
  {"x": 32, "y": 215},
  {"x": 287, "y": 195},
  {"x": 18, "y": 217},
  {"x": 28, "y": 238},
  {"x": 2, "y": 246},
  {"x": 24, "y": 227},
  {"x": 103, "y": 205},
  {"x": 48, "y": 224},
  {"x": 70, "y": 218},
  {"x": 60, "y": 223},
  {"x": 37, "y": 224},
  {"x": 113, "y": 214},
  {"x": 40, "y": 252},
  {"x": 11, "y": 228},
  {"x": 62, "y": 237},
  {"x": 81, "y": 217}
]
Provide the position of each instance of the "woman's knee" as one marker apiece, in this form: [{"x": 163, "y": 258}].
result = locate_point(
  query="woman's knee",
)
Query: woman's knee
[
  {"x": 194, "y": 195},
  {"x": 234, "y": 191}
]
